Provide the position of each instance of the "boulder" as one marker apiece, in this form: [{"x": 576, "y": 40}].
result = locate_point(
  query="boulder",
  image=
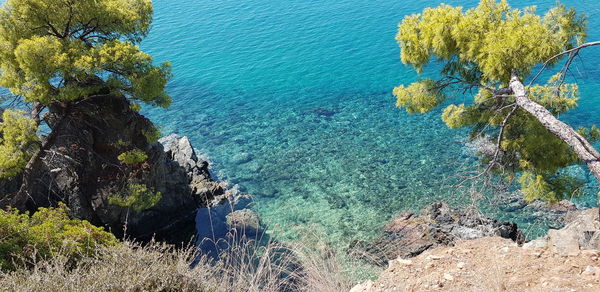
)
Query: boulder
[
  {"x": 581, "y": 232},
  {"x": 409, "y": 234},
  {"x": 245, "y": 222}
]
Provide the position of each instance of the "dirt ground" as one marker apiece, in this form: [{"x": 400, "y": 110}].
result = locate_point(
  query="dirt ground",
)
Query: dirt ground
[{"x": 489, "y": 264}]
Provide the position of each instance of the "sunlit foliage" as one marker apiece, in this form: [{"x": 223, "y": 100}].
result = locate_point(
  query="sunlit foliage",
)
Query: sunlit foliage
[
  {"x": 58, "y": 52},
  {"x": 63, "y": 51},
  {"x": 138, "y": 197},
  {"x": 18, "y": 142},
  {"x": 133, "y": 156},
  {"x": 47, "y": 233},
  {"x": 476, "y": 51}
]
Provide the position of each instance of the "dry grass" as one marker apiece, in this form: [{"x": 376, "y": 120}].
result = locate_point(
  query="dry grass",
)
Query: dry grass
[{"x": 244, "y": 265}]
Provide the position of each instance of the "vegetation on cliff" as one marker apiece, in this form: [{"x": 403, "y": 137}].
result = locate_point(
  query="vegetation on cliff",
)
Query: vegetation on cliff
[
  {"x": 96, "y": 263},
  {"x": 77, "y": 67},
  {"x": 57, "y": 55},
  {"x": 72, "y": 132}
]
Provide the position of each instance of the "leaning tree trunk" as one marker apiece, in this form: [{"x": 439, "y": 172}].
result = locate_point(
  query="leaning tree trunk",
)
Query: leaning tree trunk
[{"x": 578, "y": 143}]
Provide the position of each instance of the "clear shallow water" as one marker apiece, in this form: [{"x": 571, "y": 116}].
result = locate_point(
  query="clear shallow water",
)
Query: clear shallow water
[{"x": 291, "y": 100}]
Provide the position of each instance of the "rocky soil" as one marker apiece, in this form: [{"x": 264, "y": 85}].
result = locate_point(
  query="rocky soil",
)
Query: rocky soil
[{"x": 565, "y": 260}]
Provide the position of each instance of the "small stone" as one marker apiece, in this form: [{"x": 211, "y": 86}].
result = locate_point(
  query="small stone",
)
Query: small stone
[
  {"x": 460, "y": 265},
  {"x": 448, "y": 277},
  {"x": 540, "y": 243},
  {"x": 404, "y": 262},
  {"x": 242, "y": 157},
  {"x": 505, "y": 249},
  {"x": 590, "y": 270},
  {"x": 537, "y": 254},
  {"x": 591, "y": 253},
  {"x": 434, "y": 257},
  {"x": 366, "y": 286}
]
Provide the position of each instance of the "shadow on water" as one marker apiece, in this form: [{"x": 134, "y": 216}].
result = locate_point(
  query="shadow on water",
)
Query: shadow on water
[{"x": 245, "y": 251}]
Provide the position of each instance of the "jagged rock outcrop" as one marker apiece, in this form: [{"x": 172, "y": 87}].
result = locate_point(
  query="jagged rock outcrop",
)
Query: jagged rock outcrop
[
  {"x": 581, "y": 232},
  {"x": 79, "y": 166},
  {"x": 409, "y": 234}
]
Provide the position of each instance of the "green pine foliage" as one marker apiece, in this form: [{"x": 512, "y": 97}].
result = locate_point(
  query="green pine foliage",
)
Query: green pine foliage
[
  {"x": 63, "y": 51},
  {"x": 47, "y": 233},
  {"x": 138, "y": 197},
  {"x": 18, "y": 142},
  {"x": 152, "y": 135},
  {"x": 478, "y": 49},
  {"x": 419, "y": 97},
  {"x": 56, "y": 53},
  {"x": 134, "y": 156}
]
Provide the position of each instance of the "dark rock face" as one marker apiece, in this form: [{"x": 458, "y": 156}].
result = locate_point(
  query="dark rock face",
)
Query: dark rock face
[
  {"x": 9, "y": 187},
  {"x": 409, "y": 235},
  {"x": 78, "y": 166}
]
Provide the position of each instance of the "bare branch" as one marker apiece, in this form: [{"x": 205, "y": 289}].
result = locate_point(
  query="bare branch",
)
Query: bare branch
[{"x": 559, "y": 55}]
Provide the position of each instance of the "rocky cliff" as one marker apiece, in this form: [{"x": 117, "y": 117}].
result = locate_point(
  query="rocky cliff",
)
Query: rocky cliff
[{"x": 78, "y": 165}]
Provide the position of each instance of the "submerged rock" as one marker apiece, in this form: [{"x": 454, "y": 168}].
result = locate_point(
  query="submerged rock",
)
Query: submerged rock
[
  {"x": 242, "y": 157},
  {"x": 323, "y": 112},
  {"x": 552, "y": 214},
  {"x": 409, "y": 234},
  {"x": 245, "y": 222}
]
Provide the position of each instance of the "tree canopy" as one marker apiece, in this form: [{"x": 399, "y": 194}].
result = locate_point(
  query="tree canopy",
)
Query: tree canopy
[
  {"x": 484, "y": 52},
  {"x": 66, "y": 50},
  {"x": 59, "y": 52}
]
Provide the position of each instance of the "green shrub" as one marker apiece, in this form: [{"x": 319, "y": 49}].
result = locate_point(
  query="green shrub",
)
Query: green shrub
[
  {"x": 18, "y": 142},
  {"x": 136, "y": 107},
  {"x": 49, "y": 232},
  {"x": 133, "y": 156},
  {"x": 121, "y": 143},
  {"x": 138, "y": 197},
  {"x": 152, "y": 135}
]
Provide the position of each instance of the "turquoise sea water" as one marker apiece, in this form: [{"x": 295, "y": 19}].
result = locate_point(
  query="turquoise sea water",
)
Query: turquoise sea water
[{"x": 292, "y": 101}]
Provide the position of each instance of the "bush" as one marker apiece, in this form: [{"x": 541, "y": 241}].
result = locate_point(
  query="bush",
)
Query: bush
[
  {"x": 152, "y": 135},
  {"x": 18, "y": 142},
  {"x": 138, "y": 197},
  {"x": 133, "y": 156},
  {"x": 50, "y": 232}
]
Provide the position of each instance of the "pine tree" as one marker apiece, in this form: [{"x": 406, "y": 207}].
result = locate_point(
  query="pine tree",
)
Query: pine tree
[
  {"x": 56, "y": 53},
  {"x": 485, "y": 52}
]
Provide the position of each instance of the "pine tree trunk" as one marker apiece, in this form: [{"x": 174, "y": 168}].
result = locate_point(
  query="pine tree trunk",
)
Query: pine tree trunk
[{"x": 583, "y": 148}]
